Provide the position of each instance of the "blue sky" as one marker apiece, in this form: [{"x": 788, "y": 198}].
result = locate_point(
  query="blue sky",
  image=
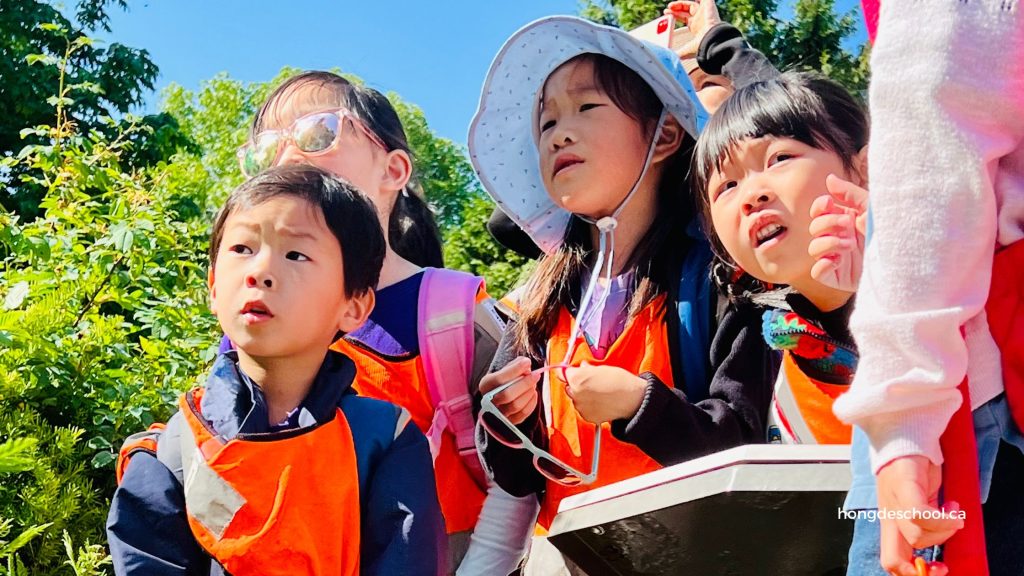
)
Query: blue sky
[{"x": 434, "y": 54}]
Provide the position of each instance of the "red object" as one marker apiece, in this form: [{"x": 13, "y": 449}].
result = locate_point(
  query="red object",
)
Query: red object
[
  {"x": 662, "y": 25},
  {"x": 965, "y": 551},
  {"x": 871, "y": 17}
]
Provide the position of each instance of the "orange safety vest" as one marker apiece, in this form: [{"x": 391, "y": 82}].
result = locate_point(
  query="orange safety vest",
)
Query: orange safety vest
[
  {"x": 402, "y": 381},
  {"x": 262, "y": 506},
  {"x": 801, "y": 409},
  {"x": 642, "y": 347}
]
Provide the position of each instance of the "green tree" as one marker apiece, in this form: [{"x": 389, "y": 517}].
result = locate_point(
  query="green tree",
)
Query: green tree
[
  {"x": 105, "y": 81},
  {"x": 812, "y": 39}
]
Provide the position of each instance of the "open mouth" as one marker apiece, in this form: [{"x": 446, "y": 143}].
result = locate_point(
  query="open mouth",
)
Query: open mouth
[
  {"x": 768, "y": 233},
  {"x": 256, "y": 310}
]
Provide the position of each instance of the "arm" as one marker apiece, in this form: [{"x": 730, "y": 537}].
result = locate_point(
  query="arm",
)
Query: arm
[
  {"x": 945, "y": 127},
  {"x": 147, "y": 529},
  {"x": 670, "y": 429},
  {"x": 505, "y": 525},
  {"x": 725, "y": 51},
  {"x": 404, "y": 531},
  {"x": 512, "y": 468}
]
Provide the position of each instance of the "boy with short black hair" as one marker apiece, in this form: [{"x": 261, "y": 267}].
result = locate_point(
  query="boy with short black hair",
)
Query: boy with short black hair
[{"x": 276, "y": 466}]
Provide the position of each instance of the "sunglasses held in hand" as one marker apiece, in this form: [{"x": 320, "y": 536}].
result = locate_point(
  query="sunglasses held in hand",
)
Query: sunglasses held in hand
[{"x": 498, "y": 426}]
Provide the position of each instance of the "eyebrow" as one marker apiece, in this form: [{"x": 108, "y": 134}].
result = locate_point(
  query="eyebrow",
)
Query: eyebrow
[
  {"x": 573, "y": 92},
  {"x": 283, "y": 230}
]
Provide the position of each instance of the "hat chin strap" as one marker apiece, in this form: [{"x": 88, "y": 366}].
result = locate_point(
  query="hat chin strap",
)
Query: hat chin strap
[{"x": 606, "y": 228}]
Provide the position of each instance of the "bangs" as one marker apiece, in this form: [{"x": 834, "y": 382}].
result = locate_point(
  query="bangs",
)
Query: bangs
[{"x": 771, "y": 108}]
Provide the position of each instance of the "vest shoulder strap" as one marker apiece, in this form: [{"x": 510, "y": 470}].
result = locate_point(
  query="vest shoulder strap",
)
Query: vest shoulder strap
[{"x": 447, "y": 302}]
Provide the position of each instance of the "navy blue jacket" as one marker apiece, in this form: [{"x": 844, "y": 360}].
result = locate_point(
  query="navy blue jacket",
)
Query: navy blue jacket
[{"x": 402, "y": 527}]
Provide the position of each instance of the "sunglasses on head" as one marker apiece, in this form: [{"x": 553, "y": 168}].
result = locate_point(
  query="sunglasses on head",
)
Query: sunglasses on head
[
  {"x": 498, "y": 426},
  {"x": 313, "y": 134}
]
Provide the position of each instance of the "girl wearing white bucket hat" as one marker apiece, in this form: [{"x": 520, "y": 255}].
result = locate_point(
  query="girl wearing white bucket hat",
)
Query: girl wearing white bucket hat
[{"x": 584, "y": 136}]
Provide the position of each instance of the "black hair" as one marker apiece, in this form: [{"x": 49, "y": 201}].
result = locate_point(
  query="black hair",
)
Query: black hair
[
  {"x": 412, "y": 230},
  {"x": 804, "y": 106},
  {"x": 348, "y": 213}
]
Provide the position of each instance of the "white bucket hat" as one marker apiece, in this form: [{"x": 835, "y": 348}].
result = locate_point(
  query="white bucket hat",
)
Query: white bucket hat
[{"x": 503, "y": 134}]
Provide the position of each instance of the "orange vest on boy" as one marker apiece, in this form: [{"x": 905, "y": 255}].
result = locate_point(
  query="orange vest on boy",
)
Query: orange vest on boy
[
  {"x": 642, "y": 347},
  {"x": 295, "y": 524}
]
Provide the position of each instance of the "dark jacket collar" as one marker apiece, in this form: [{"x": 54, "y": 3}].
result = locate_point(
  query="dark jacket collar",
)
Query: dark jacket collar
[{"x": 233, "y": 404}]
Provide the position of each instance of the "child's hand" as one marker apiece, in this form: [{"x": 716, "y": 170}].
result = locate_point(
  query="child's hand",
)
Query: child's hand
[
  {"x": 912, "y": 483},
  {"x": 837, "y": 234},
  {"x": 519, "y": 400},
  {"x": 605, "y": 393},
  {"x": 699, "y": 17}
]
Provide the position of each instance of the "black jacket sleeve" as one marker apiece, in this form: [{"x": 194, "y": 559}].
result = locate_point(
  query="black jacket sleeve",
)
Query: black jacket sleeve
[
  {"x": 724, "y": 51},
  {"x": 513, "y": 468},
  {"x": 670, "y": 429}
]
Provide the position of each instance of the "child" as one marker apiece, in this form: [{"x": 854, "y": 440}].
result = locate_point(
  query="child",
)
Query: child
[
  {"x": 276, "y": 466},
  {"x": 764, "y": 163},
  {"x": 433, "y": 332},
  {"x": 937, "y": 320},
  {"x": 583, "y": 137}
]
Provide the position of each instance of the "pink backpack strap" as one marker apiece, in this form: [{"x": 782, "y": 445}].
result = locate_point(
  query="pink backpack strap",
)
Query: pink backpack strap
[{"x": 445, "y": 328}]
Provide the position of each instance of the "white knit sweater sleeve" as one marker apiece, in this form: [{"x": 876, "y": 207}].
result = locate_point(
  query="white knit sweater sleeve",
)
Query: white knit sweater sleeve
[{"x": 947, "y": 111}]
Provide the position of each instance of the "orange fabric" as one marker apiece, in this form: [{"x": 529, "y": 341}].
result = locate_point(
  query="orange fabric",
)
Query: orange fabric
[
  {"x": 293, "y": 520},
  {"x": 403, "y": 382},
  {"x": 815, "y": 399},
  {"x": 642, "y": 347},
  {"x": 146, "y": 443}
]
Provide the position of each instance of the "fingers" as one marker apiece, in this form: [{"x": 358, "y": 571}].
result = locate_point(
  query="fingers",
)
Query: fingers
[
  {"x": 897, "y": 557},
  {"x": 840, "y": 225},
  {"x": 847, "y": 193},
  {"x": 681, "y": 8},
  {"x": 514, "y": 369},
  {"x": 521, "y": 409}
]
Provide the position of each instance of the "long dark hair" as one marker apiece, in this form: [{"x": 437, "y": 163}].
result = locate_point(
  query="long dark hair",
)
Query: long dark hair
[
  {"x": 556, "y": 281},
  {"x": 804, "y": 106},
  {"x": 412, "y": 230}
]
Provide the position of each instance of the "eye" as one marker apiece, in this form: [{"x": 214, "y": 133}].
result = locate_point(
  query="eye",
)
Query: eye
[
  {"x": 723, "y": 188},
  {"x": 544, "y": 126},
  {"x": 589, "y": 106},
  {"x": 780, "y": 157},
  {"x": 297, "y": 256},
  {"x": 240, "y": 249}
]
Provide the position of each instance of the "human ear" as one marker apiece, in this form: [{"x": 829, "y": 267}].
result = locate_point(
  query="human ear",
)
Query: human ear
[
  {"x": 397, "y": 170},
  {"x": 356, "y": 310},
  {"x": 213, "y": 290},
  {"x": 670, "y": 139},
  {"x": 860, "y": 167}
]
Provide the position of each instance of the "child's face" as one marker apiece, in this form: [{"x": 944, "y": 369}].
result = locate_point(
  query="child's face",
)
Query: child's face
[
  {"x": 591, "y": 152},
  {"x": 760, "y": 205},
  {"x": 278, "y": 284}
]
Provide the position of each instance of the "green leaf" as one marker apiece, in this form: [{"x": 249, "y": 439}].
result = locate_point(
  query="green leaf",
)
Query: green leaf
[
  {"x": 44, "y": 59},
  {"x": 52, "y": 27},
  {"x": 15, "y": 455},
  {"x": 16, "y": 296},
  {"x": 56, "y": 100},
  {"x": 24, "y": 538},
  {"x": 103, "y": 459}
]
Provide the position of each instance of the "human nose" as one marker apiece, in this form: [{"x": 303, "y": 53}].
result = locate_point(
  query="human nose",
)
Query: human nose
[
  {"x": 561, "y": 135},
  {"x": 290, "y": 154},
  {"x": 756, "y": 195},
  {"x": 260, "y": 273}
]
